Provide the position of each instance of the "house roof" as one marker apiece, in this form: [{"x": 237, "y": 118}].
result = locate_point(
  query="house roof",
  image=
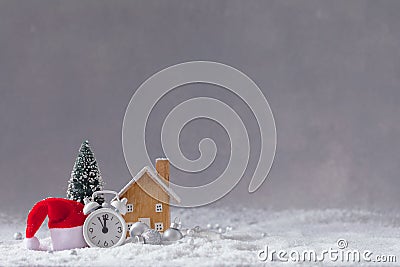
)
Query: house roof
[{"x": 156, "y": 178}]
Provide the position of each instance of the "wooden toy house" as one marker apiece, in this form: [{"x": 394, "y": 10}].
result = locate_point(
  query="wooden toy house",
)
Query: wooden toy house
[{"x": 143, "y": 207}]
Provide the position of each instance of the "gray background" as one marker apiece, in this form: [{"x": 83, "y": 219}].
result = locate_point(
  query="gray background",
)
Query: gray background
[{"x": 329, "y": 69}]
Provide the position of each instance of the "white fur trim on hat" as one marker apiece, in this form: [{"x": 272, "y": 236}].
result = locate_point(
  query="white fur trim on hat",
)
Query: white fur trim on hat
[
  {"x": 32, "y": 243},
  {"x": 67, "y": 238}
]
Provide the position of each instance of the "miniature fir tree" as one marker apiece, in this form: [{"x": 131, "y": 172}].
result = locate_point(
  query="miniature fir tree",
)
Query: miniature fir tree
[{"x": 85, "y": 176}]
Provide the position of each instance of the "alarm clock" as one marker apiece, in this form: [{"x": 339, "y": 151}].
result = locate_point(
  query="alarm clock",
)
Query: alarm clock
[{"x": 104, "y": 227}]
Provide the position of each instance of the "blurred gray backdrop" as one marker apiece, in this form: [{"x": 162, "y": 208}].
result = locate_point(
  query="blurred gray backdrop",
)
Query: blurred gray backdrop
[{"x": 329, "y": 69}]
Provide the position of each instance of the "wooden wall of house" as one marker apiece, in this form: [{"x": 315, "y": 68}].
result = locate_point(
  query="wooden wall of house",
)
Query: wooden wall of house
[{"x": 144, "y": 206}]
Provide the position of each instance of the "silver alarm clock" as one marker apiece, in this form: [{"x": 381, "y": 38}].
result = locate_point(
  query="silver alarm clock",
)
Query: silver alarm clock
[{"x": 105, "y": 227}]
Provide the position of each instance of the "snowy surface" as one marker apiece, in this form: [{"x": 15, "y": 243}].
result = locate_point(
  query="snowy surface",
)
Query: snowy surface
[{"x": 252, "y": 230}]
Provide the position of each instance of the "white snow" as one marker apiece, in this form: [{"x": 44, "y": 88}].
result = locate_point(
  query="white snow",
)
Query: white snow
[{"x": 252, "y": 229}]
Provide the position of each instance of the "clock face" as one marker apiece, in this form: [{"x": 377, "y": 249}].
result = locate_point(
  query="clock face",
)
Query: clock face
[{"x": 104, "y": 228}]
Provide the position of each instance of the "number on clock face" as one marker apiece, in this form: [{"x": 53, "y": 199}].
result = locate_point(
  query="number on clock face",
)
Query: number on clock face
[{"x": 104, "y": 230}]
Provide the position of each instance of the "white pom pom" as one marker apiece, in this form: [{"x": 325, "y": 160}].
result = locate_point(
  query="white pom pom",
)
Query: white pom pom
[{"x": 32, "y": 243}]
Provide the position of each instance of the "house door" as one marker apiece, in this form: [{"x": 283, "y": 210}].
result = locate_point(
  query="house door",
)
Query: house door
[{"x": 145, "y": 220}]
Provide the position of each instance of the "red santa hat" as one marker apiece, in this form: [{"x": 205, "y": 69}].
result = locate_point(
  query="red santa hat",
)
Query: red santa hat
[{"x": 66, "y": 219}]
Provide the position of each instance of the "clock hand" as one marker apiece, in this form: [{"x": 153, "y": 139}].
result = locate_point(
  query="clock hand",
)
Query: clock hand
[
  {"x": 105, "y": 218},
  {"x": 100, "y": 222}
]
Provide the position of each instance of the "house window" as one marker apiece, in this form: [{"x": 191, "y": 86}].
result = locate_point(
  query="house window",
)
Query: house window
[
  {"x": 159, "y": 226},
  {"x": 129, "y": 207},
  {"x": 159, "y": 207},
  {"x": 129, "y": 224}
]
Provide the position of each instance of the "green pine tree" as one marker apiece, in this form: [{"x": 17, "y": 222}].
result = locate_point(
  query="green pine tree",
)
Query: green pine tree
[{"x": 85, "y": 176}]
